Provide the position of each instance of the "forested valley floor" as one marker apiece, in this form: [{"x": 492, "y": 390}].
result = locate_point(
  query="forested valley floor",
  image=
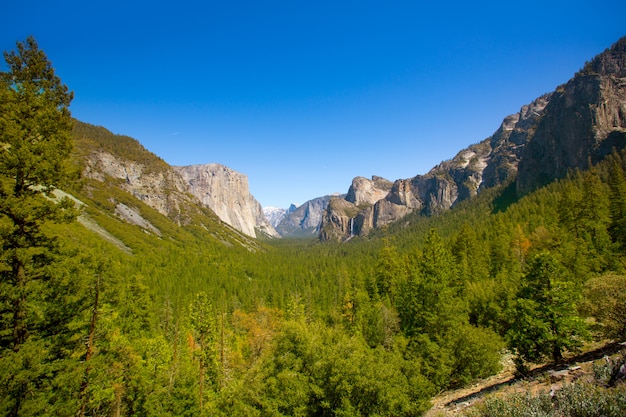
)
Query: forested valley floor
[{"x": 189, "y": 318}]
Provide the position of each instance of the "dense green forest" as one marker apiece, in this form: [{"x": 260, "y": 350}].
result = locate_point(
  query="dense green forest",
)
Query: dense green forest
[{"x": 194, "y": 322}]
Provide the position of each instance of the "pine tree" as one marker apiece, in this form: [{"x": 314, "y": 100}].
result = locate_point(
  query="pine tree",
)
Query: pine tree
[
  {"x": 617, "y": 201},
  {"x": 546, "y": 321},
  {"x": 389, "y": 272},
  {"x": 203, "y": 340},
  {"x": 35, "y": 143}
]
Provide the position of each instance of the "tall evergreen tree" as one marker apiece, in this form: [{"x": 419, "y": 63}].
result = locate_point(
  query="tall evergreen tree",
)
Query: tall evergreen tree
[
  {"x": 35, "y": 143},
  {"x": 546, "y": 321},
  {"x": 389, "y": 272},
  {"x": 617, "y": 201}
]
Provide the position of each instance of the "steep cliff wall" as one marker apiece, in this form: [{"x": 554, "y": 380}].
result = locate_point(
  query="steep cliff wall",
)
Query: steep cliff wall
[
  {"x": 578, "y": 124},
  {"x": 365, "y": 192},
  {"x": 226, "y": 192},
  {"x": 491, "y": 162},
  {"x": 175, "y": 192},
  {"x": 584, "y": 121},
  {"x": 304, "y": 220}
]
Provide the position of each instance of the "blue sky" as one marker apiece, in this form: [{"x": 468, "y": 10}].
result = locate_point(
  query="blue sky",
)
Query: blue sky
[{"x": 304, "y": 96}]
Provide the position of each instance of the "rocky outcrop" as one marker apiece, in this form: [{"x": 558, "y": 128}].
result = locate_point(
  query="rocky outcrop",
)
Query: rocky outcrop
[
  {"x": 356, "y": 214},
  {"x": 304, "y": 220},
  {"x": 584, "y": 121},
  {"x": 162, "y": 189},
  {"x": 172, "y": 190},
  {"x": 486, "y": 164},
  {"x": 509, "y": 141},
  {"x": 577, "y": 125},
  {"x": 338, "y": 220},
  {"x": 364, "y": 192},
  {"x": 275, "y": 215},
  {"x": 133, "y": 216},
  {"x": 226, "y": 192}
]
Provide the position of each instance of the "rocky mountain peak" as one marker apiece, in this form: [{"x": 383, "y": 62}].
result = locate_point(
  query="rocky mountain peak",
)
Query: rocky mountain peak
[
  {"x": 490, "y": 162},
  {"x": 305, "y": 219}
]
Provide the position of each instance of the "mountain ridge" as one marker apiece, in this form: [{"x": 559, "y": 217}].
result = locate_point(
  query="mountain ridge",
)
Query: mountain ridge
[
  {"x": 578, "y": 124},
  {"x": 172, "y": 191}
]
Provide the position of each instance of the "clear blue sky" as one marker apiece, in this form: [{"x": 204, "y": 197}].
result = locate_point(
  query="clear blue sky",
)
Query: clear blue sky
[{"x": 303, "y": 96}]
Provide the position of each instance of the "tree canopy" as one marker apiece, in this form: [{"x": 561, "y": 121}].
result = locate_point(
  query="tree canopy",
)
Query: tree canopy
[{"x": 190, "y": 323}]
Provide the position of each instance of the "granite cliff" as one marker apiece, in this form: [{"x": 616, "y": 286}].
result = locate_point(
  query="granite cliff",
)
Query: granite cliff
[
  {"x": 161, "y": 188},
  {"x": 226, "y": 192},
  {"x": 491, "y": 162},
  {"x": 584, "y": 121},
  {"x": 579, "y": 123},
  {"x": 304, "y": 220},
  {"x": 122, "y": 162}
]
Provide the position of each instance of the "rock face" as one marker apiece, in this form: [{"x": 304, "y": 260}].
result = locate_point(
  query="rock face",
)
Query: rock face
[
  {"x": 486, "y": 164},
  {"x": 584, "y": 121},
  {"x": 162, "y": 189},
  {"x": 304, "y": 220},
  {"x": 275, "y": 214},
  {"x": 355, "y": 214},
  {"x": 338, "y": 221},
  {"x": 580, "y": 123},
  {"x": 170, "y": 189},
  {"x": 226, "y": 192},
  {"x": 364, "y": 192}
]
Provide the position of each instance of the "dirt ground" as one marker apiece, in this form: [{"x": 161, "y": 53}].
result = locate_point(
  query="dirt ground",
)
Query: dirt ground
[{"x": 540, "y": 378}]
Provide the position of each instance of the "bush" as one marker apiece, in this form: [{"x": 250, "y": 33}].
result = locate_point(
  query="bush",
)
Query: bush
[{"x": 573, "y": 400}]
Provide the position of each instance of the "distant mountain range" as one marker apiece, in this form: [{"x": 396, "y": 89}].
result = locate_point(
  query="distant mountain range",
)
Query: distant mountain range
[
  {"x": 579, "y": 123},
  {"x": 276, "y": 214}
]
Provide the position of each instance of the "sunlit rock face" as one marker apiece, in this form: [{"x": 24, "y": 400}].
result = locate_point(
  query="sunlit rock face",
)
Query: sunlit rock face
[
  {"x": 365, "y": 192},
  {"x": 491, "y": 162},
  {"x": 304, "y": 220},
  {"x": 584, "y": 121},
  {"x": 580, "y": 123},
  {"x": 163, "y": 189},
  {"x": 226, "y": 192}
]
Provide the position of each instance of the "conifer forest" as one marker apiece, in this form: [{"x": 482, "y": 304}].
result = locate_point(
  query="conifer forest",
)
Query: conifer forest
[{"x": 99, "y": 317}]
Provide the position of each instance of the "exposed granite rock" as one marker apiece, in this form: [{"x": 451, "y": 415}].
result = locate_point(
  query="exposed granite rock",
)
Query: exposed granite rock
[
  {"x": 337, "y": 222},
  {"x": 509, "y": 140},
  {"x": 578, "y": 124},
  {"x": 163, "y": 190},
  {"x": 355, "y": 214},
  {"x": 364, "y": 192},
  {"x": 491, "y": 162},
  {"x": 133, "y": 216},
  {"x": 169, "y": 189},
  {"x": 275, "y": 215},
  {"x": 304, "y": 220},
  {"x": 584, "y": 121},
  {"x": 226, "y": 192}
]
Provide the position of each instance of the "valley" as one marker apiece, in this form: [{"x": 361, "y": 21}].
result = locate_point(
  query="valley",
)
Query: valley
[{"x": 144, "y": 289}]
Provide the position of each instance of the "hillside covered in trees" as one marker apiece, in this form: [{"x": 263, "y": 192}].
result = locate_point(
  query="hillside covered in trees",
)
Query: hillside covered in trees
[{"x": 103, "y": 317}]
